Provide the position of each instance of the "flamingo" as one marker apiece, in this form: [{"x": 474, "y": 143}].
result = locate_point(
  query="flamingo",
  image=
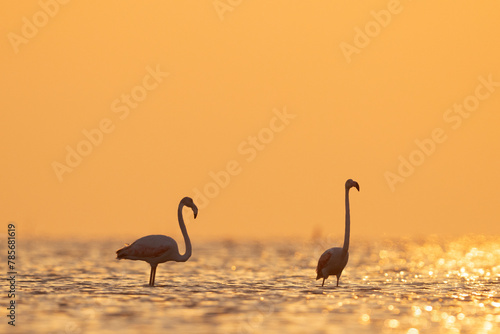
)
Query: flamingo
[
  {"x": 334, "y": 260},
  {"x": 155, "y": 249}
]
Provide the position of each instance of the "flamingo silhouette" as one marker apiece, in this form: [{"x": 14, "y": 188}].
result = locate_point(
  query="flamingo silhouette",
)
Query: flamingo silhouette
[
  {"x": 155, "y": 249},
  {"x": 334, "y": 260}
]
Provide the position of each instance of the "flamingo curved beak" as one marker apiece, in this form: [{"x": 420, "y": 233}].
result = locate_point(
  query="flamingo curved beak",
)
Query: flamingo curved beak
[
  {"x": 195, "y": 210},
  {"x": 357, "y": 186}
]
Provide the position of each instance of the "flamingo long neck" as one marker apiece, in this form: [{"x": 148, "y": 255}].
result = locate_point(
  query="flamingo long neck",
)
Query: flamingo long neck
[
  {"x": 187, "y": 254},
  {"x": 345, "y": 248}
]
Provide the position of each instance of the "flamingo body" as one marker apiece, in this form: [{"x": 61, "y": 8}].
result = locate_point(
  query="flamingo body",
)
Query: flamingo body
[
  {"x": 152, "y": 249},
  {"x": 331, "y": 262},
  {"x": 155, "y": 249}
]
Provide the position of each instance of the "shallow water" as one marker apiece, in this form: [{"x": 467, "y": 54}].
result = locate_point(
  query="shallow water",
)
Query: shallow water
[{"x": 431, "y": 285}]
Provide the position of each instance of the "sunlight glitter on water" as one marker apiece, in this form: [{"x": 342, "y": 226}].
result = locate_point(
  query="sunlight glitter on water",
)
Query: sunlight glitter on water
[{"x": 431, "y": 285}]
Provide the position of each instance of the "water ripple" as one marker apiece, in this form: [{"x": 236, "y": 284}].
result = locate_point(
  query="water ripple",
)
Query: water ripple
[{"x": 406, "y": 286}]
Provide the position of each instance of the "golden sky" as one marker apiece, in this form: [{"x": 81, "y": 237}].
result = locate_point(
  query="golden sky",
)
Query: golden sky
[{"x": 113, "y": 111}]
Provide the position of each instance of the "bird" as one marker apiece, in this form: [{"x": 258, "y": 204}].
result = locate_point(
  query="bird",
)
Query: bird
[
  {"x": 334, "y": 260},
  {"x": 155, "y": 249}
]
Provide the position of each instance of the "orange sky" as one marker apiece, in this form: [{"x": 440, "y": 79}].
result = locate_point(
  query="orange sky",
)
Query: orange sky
[{"x": 182, "y": 91}]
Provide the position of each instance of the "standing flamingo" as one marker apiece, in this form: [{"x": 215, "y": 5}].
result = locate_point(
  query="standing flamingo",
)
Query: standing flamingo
[
  {"x": 155, "y": 249},
  {"x": 334, "y": 260}
]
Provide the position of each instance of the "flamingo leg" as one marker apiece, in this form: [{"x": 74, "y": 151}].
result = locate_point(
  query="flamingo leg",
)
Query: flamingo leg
[
  {"x": 152, "y": 275},
  {"x": 323, "y": 281},
  {"x": 338, "y": 277}
]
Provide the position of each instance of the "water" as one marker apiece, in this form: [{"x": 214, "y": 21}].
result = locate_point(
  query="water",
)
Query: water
[{"x": 431, "y": 285}]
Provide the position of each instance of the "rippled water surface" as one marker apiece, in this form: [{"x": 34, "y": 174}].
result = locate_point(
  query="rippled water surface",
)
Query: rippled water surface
[{"x": 430, "y": 285}]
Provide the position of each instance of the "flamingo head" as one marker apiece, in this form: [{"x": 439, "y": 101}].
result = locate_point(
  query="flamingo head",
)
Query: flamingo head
[
  {"x": 188, "y": 201},
  {"x": 351, "y": 183}
]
